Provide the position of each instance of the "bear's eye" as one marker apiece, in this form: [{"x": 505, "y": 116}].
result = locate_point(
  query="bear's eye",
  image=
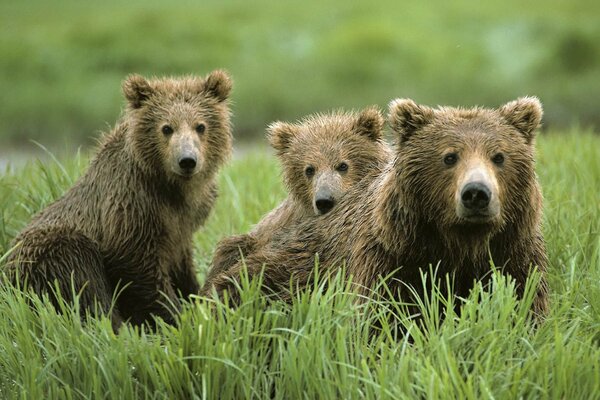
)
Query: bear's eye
[
  {"x": 343, "y": 167},
  {"x": 498, "y": 159},
  {"x": 200, "y": 128},
  {"x": 450, "y": 159},
  {"x": 309, "y": 171},
  {"x": 167, "y": 130}
]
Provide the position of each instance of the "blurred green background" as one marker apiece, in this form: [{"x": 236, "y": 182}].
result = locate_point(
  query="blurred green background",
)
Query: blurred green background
[{"x": 61, "y": 63}]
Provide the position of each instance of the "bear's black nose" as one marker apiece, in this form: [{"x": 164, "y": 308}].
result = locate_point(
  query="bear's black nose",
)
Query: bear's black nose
[
  {"x": 187, "y": 163},
  {"x": 475, "y": 196},
  {"x": 324, "y": 205}
]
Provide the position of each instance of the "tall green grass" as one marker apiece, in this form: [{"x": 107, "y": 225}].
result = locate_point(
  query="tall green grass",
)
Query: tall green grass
[{"x": 324, "y": 345}]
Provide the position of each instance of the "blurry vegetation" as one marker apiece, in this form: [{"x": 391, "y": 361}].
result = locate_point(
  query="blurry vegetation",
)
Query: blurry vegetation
[{"x": 62, "y": 62}]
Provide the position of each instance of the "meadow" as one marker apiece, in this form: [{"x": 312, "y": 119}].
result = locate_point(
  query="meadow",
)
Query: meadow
[
  {"x": 61, "y": 64},
  {"x": 323, "y": 345}
]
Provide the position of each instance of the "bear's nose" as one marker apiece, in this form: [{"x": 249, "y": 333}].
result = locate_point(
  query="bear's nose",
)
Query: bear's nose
[
  {"x": 187, "y": 163},
  {"x": 325, "y": 204},
  {"x": 475, "y": 196}
]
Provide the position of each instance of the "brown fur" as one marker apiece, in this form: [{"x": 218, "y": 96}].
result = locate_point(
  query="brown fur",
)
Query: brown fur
[
  {"x": 408, "y": 218},
  {"x": 323, "y": 142},
  {"x": 129, "y": 219}
]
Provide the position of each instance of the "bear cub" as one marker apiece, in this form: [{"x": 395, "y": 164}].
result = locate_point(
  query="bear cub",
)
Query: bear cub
[
  {"x": 322, "y": 157},
  {"x": 127, "y": 223}
]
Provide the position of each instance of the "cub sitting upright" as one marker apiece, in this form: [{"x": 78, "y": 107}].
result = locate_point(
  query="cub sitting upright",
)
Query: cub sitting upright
[
  {"x": 128, "y": 221},
  {"x": 322, "y": 157}
]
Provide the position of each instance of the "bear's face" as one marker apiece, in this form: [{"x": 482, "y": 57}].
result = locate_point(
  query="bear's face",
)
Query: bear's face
[
  {"x": 181, "y": 126},
  {"x": 467, "y": 171},
  {"x": 324, "y": 155}
]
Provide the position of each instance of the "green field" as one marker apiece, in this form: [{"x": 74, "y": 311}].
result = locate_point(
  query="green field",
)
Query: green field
[
  {"x": 62, "y": 62},
  {"x": 323, "y": 345}
]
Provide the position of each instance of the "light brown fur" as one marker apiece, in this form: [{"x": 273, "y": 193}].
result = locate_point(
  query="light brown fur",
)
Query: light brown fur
[
  {"x": 406, "y": 218},
  {"x": 323, "y": 142},
  {"x": 128, "y": 221}
]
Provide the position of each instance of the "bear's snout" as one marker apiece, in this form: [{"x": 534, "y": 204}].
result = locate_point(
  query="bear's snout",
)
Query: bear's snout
[
  {"x": 187, "y": 162},
  {"x": 324, "y": 201},
  {"x": 186, "y": 157},
  {"x": 327, "y": 189},
  {"x": 477, "y": 193},
  {"x": 476, "y": 196}
]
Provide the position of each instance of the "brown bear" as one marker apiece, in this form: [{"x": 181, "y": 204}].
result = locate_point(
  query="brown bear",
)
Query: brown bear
[
  {"x": 322, "y": 157},
  {"x": 461, "y": 189},
  {"x": 127, "y": 223}
]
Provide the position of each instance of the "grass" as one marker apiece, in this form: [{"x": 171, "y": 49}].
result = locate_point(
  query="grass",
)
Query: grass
[
  {"x": 62, "y": 62},
  {"x": 324, "y": 345}
]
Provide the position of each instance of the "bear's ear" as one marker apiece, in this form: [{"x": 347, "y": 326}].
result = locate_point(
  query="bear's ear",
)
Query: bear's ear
[
  {"x": 406, "y": 117},
  {"x": 525, "y": 114},
  {"x": 370, "y": 123},
  {"x": 136, "y": 90},
  {"x": 218, "y": 84},
  {"x": 280, "y": 135}
]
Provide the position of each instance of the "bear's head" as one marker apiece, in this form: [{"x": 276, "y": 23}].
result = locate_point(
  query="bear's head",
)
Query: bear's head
[
  {"x": 324, "y": 155},
  {"x": 467, "y": 171},
  {"x": 179, "y": 127}
]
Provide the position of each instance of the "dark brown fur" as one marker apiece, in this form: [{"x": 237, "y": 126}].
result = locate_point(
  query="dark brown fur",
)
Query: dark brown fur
[
  {"x": 405, "y": 219},
  {"x": 323, "y": 142},
  {"x": 129, "y": 220}
]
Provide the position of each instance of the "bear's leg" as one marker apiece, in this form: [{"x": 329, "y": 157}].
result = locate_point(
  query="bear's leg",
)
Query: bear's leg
[
  {"x": 539, "y": 259},
  {"x": 532, "y": 254},
  {"x": 276, "y": 276},
  {"x": 145, "y": 296},
  {"x": 226, "y": 281},
  {"x": 60, "y": 257},
  {"x": 184, "y": 277},
  {"x": 229, "y": 252}
]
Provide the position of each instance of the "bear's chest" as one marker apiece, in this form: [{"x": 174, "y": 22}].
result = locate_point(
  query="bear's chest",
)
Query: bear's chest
[{"x": 178, "y": 226}]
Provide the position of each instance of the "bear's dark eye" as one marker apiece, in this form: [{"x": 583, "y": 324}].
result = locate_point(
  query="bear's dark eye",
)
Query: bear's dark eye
[
  {"x": 450, "y": 159},
  {"x": 200, "y": 128},
  {"x": 498, "y": 159},
  {"x": 167, "y": 130},
  {"x": 309, "y": 171},
  {"x": 343, "y": 167}
]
